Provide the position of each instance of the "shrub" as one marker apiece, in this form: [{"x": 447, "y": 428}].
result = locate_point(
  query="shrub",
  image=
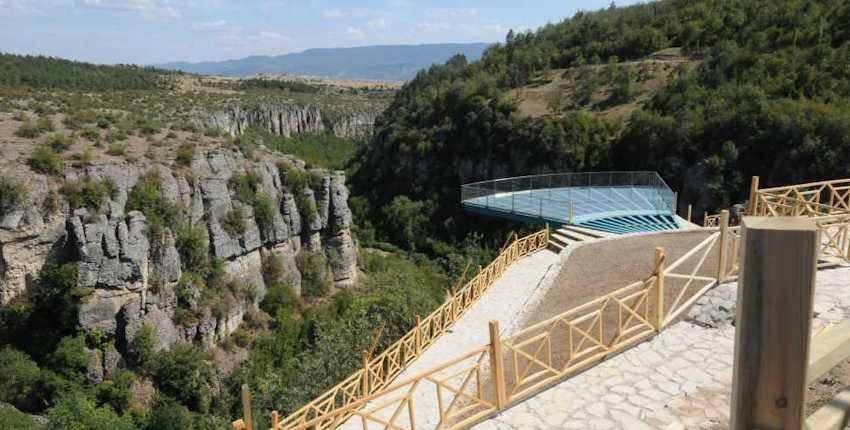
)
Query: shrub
[
  {"x": 159, "y": 211},
  {"x": 315, "y": 280},
  {"x": 171, "y": 135},
  {"x": 45, "y": 124},
  {"x": 77, "y": 412},
  {"x": 193, "y": 248},
  {"x": 11, "y": 195},
  {"x": 234, "y": 222},
  {"x": 12, "y": 419},
  {"x": 185, "y": 154},
  {"x": 82, "y": 158},
  {"x": 185, "y": 375},
  {"x": 143, "y": 348},
  {"x": 70, "y": 358},
  {"x": 90, "y": 134},
  {"x": 116, "y": 149},
  {"x": 245, "y": 186},
  {"x": 166, "y": 414},
  {"x": 20, "y": 380},
  {"x": 116, "y": 135},
  {"x": 279, "y": 293},
  {"x": 116, "y": 392},
  {"x": 264, "y": 211},
  {"x": 211, "y": 132},
  {"x": 44, "y": 159},
  {"x": 88, "y": 193},
  {"x": 28, "y": 130}
]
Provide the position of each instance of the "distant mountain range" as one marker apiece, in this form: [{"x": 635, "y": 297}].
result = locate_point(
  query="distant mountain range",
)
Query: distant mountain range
[{"x": 382, "y": 62}]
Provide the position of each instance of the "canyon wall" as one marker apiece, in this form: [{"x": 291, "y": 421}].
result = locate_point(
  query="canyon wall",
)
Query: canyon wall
[
  {"x": 135, "y": 281},
  {"x": 287, "y": 120}
]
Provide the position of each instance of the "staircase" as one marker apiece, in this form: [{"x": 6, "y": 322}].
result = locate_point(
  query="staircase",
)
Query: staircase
[{"x": 567, "y": 235}]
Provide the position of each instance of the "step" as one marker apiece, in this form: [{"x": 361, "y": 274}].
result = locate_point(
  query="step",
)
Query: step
[
  {"x": 571, "y": 236},
  {"x": 597, "y": 234},
  {"x": 559, "y": 239}
]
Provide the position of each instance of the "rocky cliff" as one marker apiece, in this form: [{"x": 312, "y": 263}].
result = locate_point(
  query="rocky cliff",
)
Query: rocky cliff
[
  {"x": 287, "y": 120},
  {"x": 136, "y": 280}
]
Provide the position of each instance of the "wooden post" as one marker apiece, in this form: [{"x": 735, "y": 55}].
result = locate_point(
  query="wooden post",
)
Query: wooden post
[
  {"x": 754, "y": 188},
  {"x": 675, "y": 202},
  {"x": 275, "y": 420},
  {"x": 723, "y": 223},
  {"x": 497, "y": 366},
  {"x": 570, "y": 211},
  {"x": 418, "y": 336},
  {"x": 773, "y": 322},
  {"x": 659, "y": 288},
  {"x": 705, "y": 219},
  {"x": 690, "y": 207},
  {"x": 364, "y": 382},
  {"x": 246, "y": 406}
]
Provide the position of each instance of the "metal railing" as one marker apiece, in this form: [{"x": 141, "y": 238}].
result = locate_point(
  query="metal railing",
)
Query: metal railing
[{"x": 536, "y": 196}]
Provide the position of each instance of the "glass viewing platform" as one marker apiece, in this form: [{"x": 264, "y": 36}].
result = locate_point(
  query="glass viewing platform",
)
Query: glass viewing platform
[{"x": 615, "y": 202}]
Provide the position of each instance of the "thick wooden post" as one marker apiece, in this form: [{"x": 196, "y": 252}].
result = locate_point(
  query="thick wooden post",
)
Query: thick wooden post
[
  {"x": 723, "y": 223},
  {"x": 246, "y": 407},
  {"x": 275, "y": 420},
  {"x": 364, "y": 382},
  {"x": 754, "y": 188},
  {"x": 497, "y": 366},
  {"x": 418, "y": 337},
  {"x": 675, "y": 202},
  {"x": 773, "y": 322},
  {"x": 690, "y": 207},
  {"x": 659, "y": 288},
  {"x": 570, "y": 211}
]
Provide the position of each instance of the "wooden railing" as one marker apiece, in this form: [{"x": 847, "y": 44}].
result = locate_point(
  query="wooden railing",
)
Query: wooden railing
[
  {"x": 812, "y": 199},
  {"x": 492, "y": 377},
  {"x": 827, "y": 203},
  {"x": 338, "y": 403}
]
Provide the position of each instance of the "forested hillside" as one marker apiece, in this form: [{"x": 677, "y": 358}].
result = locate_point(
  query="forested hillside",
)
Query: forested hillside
[
  {"x": 48, "y": 72},
  {"x": 765, "y": 92}
]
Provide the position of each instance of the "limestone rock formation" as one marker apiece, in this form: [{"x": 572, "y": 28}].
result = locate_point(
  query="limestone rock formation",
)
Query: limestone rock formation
[
  {"x": 287, "y": 120},
  {"x": 136, "y": 281}
]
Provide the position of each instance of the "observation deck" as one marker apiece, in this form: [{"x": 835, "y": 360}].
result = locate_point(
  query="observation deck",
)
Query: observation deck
[{"x": 614, "y": 202}]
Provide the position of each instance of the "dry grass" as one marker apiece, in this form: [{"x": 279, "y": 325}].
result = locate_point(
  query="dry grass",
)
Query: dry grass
[{"x": 564, "y": 84}]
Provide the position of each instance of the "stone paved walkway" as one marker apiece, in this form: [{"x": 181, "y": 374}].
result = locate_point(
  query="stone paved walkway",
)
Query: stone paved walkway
[
  {"x": 504, "y": 301},
  {"x": 676, "y": 380}
]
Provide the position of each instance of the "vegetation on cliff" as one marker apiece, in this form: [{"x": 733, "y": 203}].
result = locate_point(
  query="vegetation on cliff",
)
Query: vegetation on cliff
[{"x": 764, "y": 93}]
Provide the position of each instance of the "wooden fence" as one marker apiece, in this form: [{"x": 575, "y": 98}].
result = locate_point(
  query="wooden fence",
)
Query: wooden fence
[
  {"x": 491, "y": 377},
  {"x": 341, "y": 401},
  {"x": 827, "y": 203}
]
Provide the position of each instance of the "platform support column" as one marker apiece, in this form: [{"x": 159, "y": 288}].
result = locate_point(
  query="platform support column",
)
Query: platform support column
[{"x": 570, "y": 212}]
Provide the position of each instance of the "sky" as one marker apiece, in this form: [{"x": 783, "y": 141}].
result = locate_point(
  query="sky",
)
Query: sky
[{"x": 158, "y": 31}]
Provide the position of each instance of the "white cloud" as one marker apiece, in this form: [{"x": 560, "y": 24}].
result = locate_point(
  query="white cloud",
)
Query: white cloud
[
  {"x": 355, "y": 33},
  {"x": 18, "y": 7},
  {"x": 451, "y": 12},
  {"x": 333, "y": 14},
  {"x": 433, "y": 27},
  {"x": 208, "y": 25},
  {"x": 148, "y": 8},
  {"x": 377, "y": 24}
]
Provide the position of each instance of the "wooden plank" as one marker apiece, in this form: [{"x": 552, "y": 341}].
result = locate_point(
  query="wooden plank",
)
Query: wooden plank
[
  {"x": 834, "y": 415},
  {"x": 724, "y": 237},
  {"x": 497, "y": 366},
  {"x": 774, "y": 310},
  {"x": 659, "y": 288},
  {"x": 754, "y": 189},
  {"x": 246, "y": 407},
  {"x": 828, "y": 349}
]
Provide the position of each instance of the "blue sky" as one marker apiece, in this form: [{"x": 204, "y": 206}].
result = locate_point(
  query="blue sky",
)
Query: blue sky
[{"x": 156, "y": 31}]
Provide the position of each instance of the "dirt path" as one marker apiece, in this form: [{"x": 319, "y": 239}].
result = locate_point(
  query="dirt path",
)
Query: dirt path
[{"x": 599, "y": 268}]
